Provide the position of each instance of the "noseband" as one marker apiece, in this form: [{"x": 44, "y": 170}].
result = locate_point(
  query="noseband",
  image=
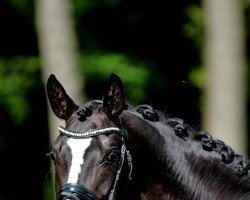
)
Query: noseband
[{"x": 72, "y": 191}]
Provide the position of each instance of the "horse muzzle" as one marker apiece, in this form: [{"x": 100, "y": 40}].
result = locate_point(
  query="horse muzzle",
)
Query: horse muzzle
[{"x": 72, "y": 191}]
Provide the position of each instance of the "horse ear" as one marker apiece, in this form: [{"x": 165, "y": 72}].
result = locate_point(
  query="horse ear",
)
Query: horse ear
[
  {"x": 114, "y": 99},
  {"x": 61, "y": 104}
]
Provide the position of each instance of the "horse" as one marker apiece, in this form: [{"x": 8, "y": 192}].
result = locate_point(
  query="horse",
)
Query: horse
[{"x": 111, "y": 150}]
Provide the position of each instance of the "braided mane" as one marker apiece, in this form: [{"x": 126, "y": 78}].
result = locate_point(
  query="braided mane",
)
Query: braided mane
[{"x": 184, "y": 131}]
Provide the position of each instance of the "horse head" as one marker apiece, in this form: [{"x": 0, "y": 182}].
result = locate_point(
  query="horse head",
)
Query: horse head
[{"x": 90, "y": 154}]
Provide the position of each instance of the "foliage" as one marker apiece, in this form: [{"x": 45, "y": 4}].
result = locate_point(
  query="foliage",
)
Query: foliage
[
  {"x": 25, "y": 8},
  {"x": 194, "y": 30},
  {"x": 48, "y": 187},
  {"x": 194, "y": 27},
  {"x": 135, "y": 74},
  {"x": 18, "y": 76},
  {"x": 80, "y": 7},
  {"x": 197, "y": 77}
]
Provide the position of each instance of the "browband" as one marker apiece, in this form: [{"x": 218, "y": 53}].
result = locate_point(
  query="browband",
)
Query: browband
[{"x": 92, "y": 133}]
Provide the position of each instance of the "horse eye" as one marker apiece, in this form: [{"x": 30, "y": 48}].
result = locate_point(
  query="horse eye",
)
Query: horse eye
[
  {"x": 52, "y": 156},
  {"x": 112, "y": 155}
]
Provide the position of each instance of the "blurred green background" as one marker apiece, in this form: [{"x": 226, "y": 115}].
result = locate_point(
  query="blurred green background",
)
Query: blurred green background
[{"x": 155, "y": 46}]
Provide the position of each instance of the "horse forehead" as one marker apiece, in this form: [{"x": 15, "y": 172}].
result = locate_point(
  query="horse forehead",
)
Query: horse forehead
[
  {"x": 109, "y": 140},
  {"x": 96, "y": 121},
  {"x": 79, "y": 145}
]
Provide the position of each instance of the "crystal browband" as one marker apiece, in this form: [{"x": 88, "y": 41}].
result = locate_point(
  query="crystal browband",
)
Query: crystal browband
[{"x": 92, "y": 133}]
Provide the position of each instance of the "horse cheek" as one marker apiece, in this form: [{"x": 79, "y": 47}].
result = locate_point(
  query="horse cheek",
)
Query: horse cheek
[
  {"x": 105, "y": 180},
  {"x": 59, "y": 178}
]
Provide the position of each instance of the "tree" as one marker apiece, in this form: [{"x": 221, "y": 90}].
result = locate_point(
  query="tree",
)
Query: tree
[
  {"x": 224, "y": 59},
  {"x": 57, "y": 44}
]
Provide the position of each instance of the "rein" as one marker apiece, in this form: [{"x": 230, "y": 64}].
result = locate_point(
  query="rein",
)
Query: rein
[{"x": 77, "y": 192}]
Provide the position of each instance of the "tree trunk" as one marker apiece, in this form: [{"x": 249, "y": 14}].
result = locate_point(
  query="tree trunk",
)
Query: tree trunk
[
  {"x": 57, "y": 43},
  {"x": 225, "y": 63}
]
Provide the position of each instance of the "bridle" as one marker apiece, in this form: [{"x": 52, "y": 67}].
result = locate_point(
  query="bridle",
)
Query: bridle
[{"x": 72, "y": 191}]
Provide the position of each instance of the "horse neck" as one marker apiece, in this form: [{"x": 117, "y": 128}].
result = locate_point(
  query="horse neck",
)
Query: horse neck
[{"x": 178, "y": 169}]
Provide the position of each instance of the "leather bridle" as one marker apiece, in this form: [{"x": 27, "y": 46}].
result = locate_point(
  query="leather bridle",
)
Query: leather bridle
[{"x": 72, "y": 191}]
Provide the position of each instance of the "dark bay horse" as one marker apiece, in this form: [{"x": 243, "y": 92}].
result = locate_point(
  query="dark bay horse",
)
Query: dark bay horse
[{"x": 109, "y": 149}]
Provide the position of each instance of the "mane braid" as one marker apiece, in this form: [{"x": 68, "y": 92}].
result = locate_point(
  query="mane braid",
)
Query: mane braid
[
  {"x": 147, "y": 112},
  {"x": 183, "y": 130},
  {"x": 208, "y": 144}
]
